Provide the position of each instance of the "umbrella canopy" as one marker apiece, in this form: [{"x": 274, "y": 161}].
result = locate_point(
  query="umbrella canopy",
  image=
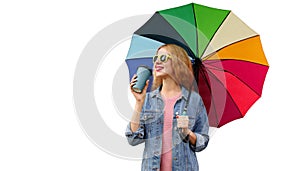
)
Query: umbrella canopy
[{"x": 228, "y": 60}]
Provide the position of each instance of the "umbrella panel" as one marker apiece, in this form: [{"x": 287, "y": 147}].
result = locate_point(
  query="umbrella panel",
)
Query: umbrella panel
[{"x": 134, "y": 63}]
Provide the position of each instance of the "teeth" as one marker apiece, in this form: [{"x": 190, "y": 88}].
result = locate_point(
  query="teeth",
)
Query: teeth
[{"x": 158, "y": 68}]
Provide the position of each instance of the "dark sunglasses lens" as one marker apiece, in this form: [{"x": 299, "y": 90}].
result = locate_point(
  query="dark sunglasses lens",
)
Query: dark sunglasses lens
[
  {"x": 163, "y": 58},
  {"x": 155, "y": 58}
]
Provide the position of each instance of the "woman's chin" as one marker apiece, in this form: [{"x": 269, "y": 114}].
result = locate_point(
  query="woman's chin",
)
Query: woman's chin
[{"x": 160, "y": 74}]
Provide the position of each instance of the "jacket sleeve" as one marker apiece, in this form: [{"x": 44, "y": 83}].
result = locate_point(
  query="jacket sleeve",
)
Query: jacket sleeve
[
  {"x": 137, "y": 137},
  {"x": 201, "y": 128}
]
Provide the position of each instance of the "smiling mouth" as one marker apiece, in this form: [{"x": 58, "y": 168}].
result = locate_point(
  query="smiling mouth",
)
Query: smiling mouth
[{"x": 158, "y": 68}]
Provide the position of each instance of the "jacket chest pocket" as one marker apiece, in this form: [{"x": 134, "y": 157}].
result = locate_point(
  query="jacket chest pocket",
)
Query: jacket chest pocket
[{"x": 153, "y": 123}]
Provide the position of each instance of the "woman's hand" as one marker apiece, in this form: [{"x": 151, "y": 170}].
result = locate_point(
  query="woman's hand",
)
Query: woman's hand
[
  {"x": 182, "y": 121},
  {"x": 139, "y": 97},
  {"x": 182, "y": 124}
]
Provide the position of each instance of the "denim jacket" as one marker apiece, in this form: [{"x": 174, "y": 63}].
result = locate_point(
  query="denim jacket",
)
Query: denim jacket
[{"x": 151, "y": 130}]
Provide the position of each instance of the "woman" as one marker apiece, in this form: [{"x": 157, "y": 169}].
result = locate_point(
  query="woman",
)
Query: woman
[{"x": 157, "y": 120}]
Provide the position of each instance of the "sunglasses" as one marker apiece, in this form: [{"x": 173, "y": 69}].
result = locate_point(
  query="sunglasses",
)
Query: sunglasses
[{"x": 162, "y": 58}]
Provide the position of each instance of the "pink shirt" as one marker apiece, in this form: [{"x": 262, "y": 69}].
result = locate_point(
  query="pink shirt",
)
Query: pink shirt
[{"x": 166, "y": 157}]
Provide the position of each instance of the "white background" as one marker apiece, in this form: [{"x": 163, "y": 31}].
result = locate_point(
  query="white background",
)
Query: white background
[{"x": 40, "y": 43}]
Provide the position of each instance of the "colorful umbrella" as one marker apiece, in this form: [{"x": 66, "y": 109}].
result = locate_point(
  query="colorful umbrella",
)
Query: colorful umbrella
[{"x": 229, "y": 62}]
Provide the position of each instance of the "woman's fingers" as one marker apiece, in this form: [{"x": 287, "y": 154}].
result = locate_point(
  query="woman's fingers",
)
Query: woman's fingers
[
  {"x": 146, "y": 86},
  {"x": 134, "y": 77},
  {"x": 132, "y": 84},
  {"x": 133, "y": 80}
]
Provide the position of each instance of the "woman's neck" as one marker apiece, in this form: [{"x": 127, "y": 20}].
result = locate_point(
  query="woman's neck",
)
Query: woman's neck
[{"x": 170, "y": 88}]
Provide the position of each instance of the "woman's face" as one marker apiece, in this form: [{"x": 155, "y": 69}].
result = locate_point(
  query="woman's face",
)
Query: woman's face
[{"x": 163, "y": 69}]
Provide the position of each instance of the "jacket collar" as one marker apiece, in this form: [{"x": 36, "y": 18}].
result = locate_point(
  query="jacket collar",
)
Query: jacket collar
[{"x": 184, "y": 92}]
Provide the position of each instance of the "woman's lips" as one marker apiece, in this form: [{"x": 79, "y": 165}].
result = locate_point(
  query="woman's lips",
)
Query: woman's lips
[{"x": 158, "y": 68}]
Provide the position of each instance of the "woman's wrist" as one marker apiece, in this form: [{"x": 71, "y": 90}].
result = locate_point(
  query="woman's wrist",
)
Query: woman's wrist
[
  {"x": 138, "y": 106},
  {"x": 192, "y": 137}
]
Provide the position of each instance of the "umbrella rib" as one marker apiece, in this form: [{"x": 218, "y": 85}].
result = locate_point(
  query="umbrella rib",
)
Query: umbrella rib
[
  {"x": 218, "y": 60},
  {"x": 226, "y": 91},
  {"x": 197, "y": 43},
  {"x": 235, "y": 77}
]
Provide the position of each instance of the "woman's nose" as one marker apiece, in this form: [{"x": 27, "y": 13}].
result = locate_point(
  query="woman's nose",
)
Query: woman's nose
[{"x": 158, "y": 61}]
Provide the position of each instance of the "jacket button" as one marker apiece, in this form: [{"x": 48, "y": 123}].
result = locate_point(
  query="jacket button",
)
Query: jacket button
[{"x": 175, "y": 158}]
